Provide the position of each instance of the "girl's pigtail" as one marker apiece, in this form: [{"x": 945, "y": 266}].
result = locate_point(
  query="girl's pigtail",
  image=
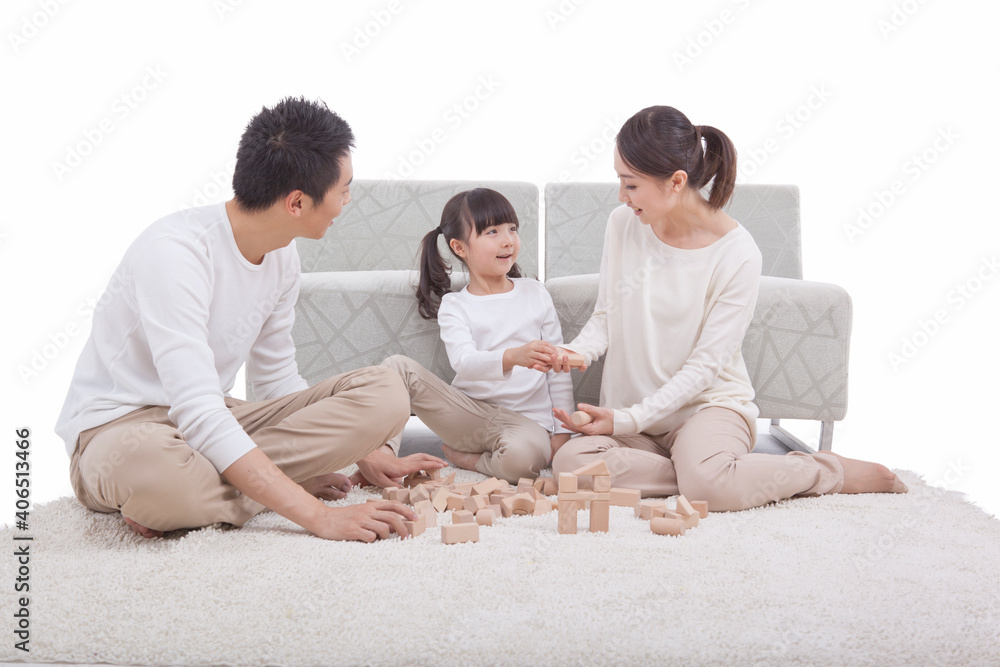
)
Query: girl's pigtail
[{"x": 435, "y": 276}]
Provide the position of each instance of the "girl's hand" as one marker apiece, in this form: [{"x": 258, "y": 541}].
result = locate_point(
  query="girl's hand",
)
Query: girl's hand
[
  {"x": 530, "y": 355},
  {"x": 557, "y": 440},
  {"x": 602, "y": 423}
]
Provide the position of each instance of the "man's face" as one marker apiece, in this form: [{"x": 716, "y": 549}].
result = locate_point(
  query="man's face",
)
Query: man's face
[{"x": 317, "y": 217}]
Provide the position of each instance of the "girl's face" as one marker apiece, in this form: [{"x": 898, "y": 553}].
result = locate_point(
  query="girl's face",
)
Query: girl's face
[
  {"x": 492, "y": 253},
  {"x": 651, "y": 199}
]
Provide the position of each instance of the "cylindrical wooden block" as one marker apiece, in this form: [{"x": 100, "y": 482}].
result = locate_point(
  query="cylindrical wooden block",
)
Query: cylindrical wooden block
[
  {"x": 664, "y": 526},
  {"x": 579, "y": 418}
]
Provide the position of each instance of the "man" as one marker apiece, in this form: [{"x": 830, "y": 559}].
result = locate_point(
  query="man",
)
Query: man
[{"x": 148, "y": 423}]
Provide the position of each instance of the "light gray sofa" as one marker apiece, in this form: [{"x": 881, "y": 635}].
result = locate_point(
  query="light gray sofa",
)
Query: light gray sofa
[{"x": 357, "y": 305}]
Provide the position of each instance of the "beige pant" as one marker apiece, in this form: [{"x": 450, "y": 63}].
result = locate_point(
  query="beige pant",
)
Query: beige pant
[
  {"x": 513, "y": 446},
  {"x": 707, "y": 458},
  {"x": 140, "y": 465}
]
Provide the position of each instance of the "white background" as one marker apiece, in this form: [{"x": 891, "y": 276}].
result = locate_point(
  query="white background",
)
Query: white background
[{"x": 836, "y": 98}]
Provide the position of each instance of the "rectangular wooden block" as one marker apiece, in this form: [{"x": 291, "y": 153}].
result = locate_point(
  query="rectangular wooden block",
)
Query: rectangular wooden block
[
  {"x": 644, "y": 509},
  {"x": 430, "y": 517},
  {"x": 441, "y": 499},
  {"x": 463, "y": 516},
  {"x": 422, "y": 505},
  {"x": 684, "y": 507},
  {"x": 455, "y": 501},
  {"x": 524, "y": 484},
  {"x": 434, "y": 474},
  {"x": 625, "y": 497},
  {"x": 465, "y": 488},
  {"x": 701, "y": 507},
  {"x": 599, "y": 516},
  {"x": 416, "y": 527},
  {"x": 602, "y": 484},
  {"x": 542, "y": 506},
  {"x": 419, "y": 493},
  {"x": 460, "y": 532},
  {"x": 567, "y": 482},
  {"x": 567, "y": 516},
  {"x": 595, "y": 467},
  {"x": 474, "y": 503},
  {"x": 486, "y": 487}
]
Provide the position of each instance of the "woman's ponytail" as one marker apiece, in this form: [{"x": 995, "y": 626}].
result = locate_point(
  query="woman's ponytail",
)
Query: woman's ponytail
[{"x": 720, "y": 165}]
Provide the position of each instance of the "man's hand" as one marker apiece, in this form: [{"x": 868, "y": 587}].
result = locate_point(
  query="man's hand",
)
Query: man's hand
[
  {"x": 383, "y": 469},
  {"x": 258, "y": 478},
  {"x": 366, "y": 522},
  {"x": 533, "y": 354},
  {"x": 332, "y": 486},
  {"x": 603, "y": 422}
]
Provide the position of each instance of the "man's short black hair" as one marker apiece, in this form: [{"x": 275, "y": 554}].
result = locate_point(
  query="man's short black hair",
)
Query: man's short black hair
[{"x": 295, "y": 145}]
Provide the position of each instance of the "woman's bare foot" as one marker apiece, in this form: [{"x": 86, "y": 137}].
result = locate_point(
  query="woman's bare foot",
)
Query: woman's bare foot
[
  {"x": 867, "y": 477},
  {"x": 142, "y": 530},
  {"x": 464, "y": 460}
]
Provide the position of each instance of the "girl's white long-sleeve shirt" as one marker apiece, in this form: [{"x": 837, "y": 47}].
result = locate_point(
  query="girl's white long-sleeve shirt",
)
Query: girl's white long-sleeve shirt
[
  {"x": 477, "y": 329},
  {"x": 672, "y": 323},
  {"x": 183, "y": 311}
]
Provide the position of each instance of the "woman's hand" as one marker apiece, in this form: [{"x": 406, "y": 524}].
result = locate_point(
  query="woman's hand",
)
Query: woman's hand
[
  {"x": 533, "y": 354},
  {"x": 602, "y": 420}
]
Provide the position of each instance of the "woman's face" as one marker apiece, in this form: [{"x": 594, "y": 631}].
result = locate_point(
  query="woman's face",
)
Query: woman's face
[{"x": 649, "y": 198}]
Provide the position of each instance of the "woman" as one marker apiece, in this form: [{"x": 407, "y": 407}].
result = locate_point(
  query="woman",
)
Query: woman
[{"x": 678, "y": 287}]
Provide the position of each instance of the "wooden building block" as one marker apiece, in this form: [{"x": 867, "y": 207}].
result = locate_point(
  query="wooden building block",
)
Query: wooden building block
[
  {"x": 599, "y": 516},
  {"x": 507, "y": 507},
  {"x": 398, "y": 494},
  {"x": 550, "y": 486},
  {"x": 486, "y": 487},
  {"x": 595, "y": 467},
  {"x": 522, "y": 503},
  {"x": 567, "y": 517},
  {"x": 422, "y": 505},
  {"x": 602, "y": 483},
  {"x": 474, "y": 503},
  {"x": 441, "y": 499},
  {"x": 418, "y": 493},
  {"x": 450, "y": 479},
  {"x": 430, "y": 517},
  {"x": 463, "y": 516},
  {"x": 644, "y": 509},
  {"x": 539, "y": 484},
  {"x": 524, "y": 484},
  {"x": 542, "y": 506},
  {"x": 435, "y": 473},
  {"x": 455, "y": 501},
  {"x": 625, "y": 497},
  {"x": 567, "y": 482},
  {"x": 582, "y": 497},
  {"x": 460, "y": 532},
  {"x": 684, "y": 507},
  {"x": 691, "y": 520},
  {"x": 416, "y": 527},
  {"x": 387, "y": 491},
  {"x": 484, "y": 517},
  {"x": 576, "y": 360},
  {"x": 701, "y": 507},
  {"x": 465, "y": 488},
  {"x": 665, "y": 526},
  {"x": 580, "y": 418}
]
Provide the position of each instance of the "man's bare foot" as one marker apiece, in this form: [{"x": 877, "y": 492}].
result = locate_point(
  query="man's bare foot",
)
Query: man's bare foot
[
  {"x": 142, "y": 530},
  {"x": 867, "y": 477},
  {"x": 464, "y": 460}
]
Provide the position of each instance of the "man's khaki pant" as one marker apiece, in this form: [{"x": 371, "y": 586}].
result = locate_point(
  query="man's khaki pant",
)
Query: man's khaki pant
[
  {"x": 512, "y": 446},
  {"x": 706, "y": 458},
  {"x": 140, "y": 465}
]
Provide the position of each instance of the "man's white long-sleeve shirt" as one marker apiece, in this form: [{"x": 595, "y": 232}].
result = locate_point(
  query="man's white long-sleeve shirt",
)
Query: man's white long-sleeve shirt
[{"x": 182, "y": 313}]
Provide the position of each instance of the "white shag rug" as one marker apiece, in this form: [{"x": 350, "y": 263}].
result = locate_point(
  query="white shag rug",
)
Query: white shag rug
[{"x": 838, "y": 580}]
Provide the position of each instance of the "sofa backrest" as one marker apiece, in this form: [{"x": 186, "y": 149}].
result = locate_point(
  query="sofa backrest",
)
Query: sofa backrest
[
  {"x": 576, "y": 215},
  {"x": 381, "y": 229}
]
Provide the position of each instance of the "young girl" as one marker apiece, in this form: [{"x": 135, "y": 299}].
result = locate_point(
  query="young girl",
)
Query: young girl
[
  {"x": 678, "y": 413},
  {"x": 496, "y": 416}
]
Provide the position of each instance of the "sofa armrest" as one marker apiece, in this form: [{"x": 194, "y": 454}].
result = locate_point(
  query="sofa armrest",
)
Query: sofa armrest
[{"x": 796, "y": 348}]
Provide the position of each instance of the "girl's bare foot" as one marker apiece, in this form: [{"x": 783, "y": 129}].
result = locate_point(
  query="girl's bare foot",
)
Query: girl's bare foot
[
  {"x": 142, "y": 530},
  {"x": 464, "y": 460},
  {"x": 868, "y": 477}
]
